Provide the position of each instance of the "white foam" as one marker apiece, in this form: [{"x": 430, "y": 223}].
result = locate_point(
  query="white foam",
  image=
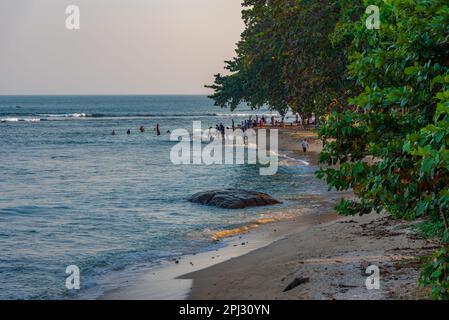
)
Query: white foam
[
  {"x": 65, "y": 115},
  {"x": 9, "y": 120}
]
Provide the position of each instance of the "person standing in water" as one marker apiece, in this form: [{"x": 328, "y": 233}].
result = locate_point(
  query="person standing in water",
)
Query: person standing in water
[
  {"x": 128, "y": 132},
  {"x": 142, "y": 129},
  {"x": 113, "y": 132},
  {"x": 158, "y": 130},
  {"x": 222, "y": 129}
]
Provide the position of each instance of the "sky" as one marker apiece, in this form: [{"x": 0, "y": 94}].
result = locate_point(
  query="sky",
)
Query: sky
[{"x": 122, "y": 47}]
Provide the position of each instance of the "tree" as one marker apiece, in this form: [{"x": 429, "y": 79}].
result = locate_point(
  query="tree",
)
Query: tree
[
  {"x": 286, "y": 59},
  {"x": 391, "y": 148}
]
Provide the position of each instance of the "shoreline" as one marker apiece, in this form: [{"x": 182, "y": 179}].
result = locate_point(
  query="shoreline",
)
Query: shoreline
[
  {"x": 165, "y": 281},
  {"x": 323, "y": 262},
  {"x": 329, "y": 252},
  {"x": 168, "y": 281}
]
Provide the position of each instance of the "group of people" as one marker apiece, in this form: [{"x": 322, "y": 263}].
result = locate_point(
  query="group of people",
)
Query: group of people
[
  {"x": 254, "y": 123},
  {"x": 244, "y": 126},
  {"x": 157, "y": 129}
]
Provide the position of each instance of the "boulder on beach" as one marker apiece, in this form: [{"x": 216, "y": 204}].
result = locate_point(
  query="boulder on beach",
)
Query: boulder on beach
[{"x": 233, "y": 199}]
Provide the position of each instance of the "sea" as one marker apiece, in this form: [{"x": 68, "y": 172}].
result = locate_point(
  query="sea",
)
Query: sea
[{"x": 73, "y": 194}]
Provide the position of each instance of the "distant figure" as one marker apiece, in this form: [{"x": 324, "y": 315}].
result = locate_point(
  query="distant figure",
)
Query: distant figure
[
  {"x": 305, "y": 145},
  {"x": 209, "y": 134},
  {"x": 222, "y": 129},
  {"x": 158, "y": 130},
  {"x": 168, "y": 132},
  {"x": 128, "y": 132},
  {"x": 142, "y": 129},
  {"x": 113, "y": 132},
  {"x": 261, "y": 124},
  {"x": 233, "y": 125}
]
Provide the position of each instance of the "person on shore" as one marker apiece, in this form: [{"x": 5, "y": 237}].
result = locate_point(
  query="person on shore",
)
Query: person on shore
[
  {"x": 233, "y": 125},
  {"x": 128, "y": 132},
  {"x": 158, "y": 130},
  {"x": 142, "y": 129},
  {"x": 113, "y": 132},
  {"x": 261, "y": 124},
  {"x": 305, "y": 145}
]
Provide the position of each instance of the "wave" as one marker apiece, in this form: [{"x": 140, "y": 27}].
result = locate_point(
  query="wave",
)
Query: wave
[
  {"x": 9, "y": 119},
  {"x": 63, "y": 115},
  {"x": 303, "y": 162},
  {"x": 36, "y": 117}
]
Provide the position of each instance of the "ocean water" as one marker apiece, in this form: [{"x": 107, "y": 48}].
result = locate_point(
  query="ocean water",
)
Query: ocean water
[{"x": 73, "y": 194}]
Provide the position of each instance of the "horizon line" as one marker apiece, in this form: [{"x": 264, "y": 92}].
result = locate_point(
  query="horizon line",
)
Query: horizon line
[{"x": 102, "y": 94}]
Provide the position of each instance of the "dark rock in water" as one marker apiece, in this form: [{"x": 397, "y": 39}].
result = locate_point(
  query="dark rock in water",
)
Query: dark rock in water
[
  {"x": 295, "y": 283},
  {"x": 233, "y": 199}
]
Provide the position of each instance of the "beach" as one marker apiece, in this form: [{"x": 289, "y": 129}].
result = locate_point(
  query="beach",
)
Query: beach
[
  {"x": 327, "y": 254},
  {"x": 134, "y": 234}
]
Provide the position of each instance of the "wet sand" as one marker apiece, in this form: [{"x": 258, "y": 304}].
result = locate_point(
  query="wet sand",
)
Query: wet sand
[
  {"x": 332, "y": 258},
  {"x": 327, "y": 253}
]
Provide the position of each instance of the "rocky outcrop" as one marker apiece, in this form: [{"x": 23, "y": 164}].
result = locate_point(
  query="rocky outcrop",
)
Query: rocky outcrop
[{"x": 233, "y": 199}]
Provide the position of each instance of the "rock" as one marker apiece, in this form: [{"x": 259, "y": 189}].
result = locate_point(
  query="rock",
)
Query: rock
[
  {"x": 295, "y": 283},
  {"x": 233, "y": 199}
]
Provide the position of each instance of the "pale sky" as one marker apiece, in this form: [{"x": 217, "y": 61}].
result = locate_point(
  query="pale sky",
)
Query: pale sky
[{"x": 123, "y": 46}]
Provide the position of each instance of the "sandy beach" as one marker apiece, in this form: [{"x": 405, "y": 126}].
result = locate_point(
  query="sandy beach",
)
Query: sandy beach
[{"x": 326, "y": 253}]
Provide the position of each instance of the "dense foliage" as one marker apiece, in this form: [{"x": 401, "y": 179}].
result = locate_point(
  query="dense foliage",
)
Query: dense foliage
[
  {"x": 286, "y": 59},
  {"x": 392, "y": 147},
  {"x": 385, "y": 93}
]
